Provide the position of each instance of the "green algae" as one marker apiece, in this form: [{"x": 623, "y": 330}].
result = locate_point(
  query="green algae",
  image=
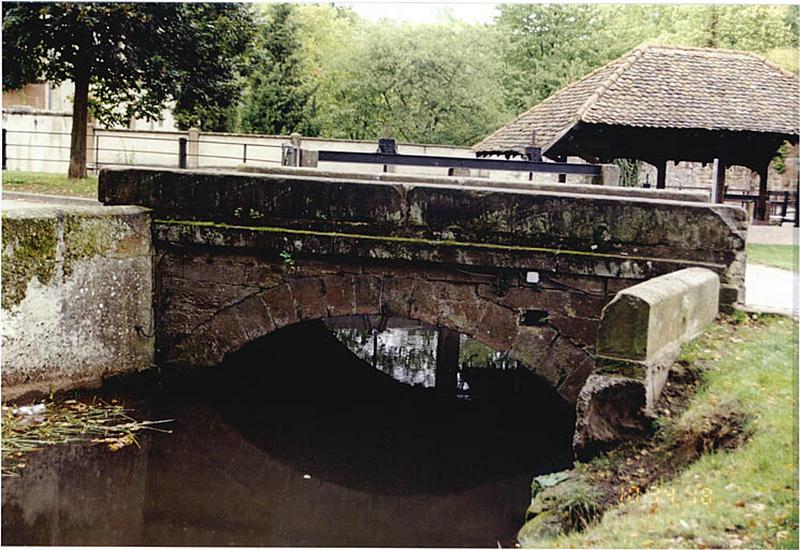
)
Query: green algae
[
  {"x": 86, "y": 238},
  {"x": 434, "y": 242},
  {"x": 29, "y": 250}
]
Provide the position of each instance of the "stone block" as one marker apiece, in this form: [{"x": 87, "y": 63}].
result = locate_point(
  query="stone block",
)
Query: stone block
[
  {"x": 340, "y": 298},
  {"x": 579, "y": 329},
  {"x": 309, "y": 298},
  {"x": 253, "y": 317},
  {"x": 497, "y": 327},
  {"x": 281, "y": 305},
  {"x": 532, "y": 347},
  {"x": 396, "y": 296},
  {"x": 367, "y": 290},
  {"x": 645, "y": 319}
]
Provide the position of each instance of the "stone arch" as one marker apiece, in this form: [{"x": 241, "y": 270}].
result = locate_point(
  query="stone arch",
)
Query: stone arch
[{"x": 458, "y": 305}]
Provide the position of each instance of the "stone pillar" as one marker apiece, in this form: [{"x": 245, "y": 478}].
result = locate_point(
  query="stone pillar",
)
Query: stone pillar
[
  {"x": 447, "y": 353},
  {"x": 193, "y": 149},
  {"x": 609, "y": 175}
]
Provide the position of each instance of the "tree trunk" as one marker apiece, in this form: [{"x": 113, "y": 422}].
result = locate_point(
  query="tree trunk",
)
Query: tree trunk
[{"x": 80, "y": 111}]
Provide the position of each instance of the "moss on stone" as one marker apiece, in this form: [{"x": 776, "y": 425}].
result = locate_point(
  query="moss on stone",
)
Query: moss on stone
[
  {"x": 563, "y": 503},
  {"x": 86, "y": 238},
  {"x": 29, "y": 250},
  {"x": 424, "y": 241}
]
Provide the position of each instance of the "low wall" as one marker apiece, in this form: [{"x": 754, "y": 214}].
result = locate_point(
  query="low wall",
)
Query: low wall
[
  {"x": 639, "y": 337},
  {"x": 76, "y": 296}
]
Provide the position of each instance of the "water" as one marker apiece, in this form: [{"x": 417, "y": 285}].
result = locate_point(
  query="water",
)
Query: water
[{"x": 295, "y": 441}]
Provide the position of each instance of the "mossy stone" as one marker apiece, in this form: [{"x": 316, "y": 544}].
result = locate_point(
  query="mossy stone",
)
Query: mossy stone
[{"x": 29, "y": 250}]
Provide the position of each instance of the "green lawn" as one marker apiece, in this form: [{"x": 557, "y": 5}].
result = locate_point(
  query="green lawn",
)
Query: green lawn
[
  {"x": 776, "y": 255},
  {"x": 742, "y": 498},
  {"x": 52, "y": 184}
]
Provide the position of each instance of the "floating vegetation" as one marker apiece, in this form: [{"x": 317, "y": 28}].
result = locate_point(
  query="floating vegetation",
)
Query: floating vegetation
[{"x": 34, "y": 427}]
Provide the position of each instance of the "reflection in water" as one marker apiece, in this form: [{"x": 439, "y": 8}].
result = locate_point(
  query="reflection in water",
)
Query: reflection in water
[
  {"x": 294, "y": 441},
  {"x": 406, "y": 351}
]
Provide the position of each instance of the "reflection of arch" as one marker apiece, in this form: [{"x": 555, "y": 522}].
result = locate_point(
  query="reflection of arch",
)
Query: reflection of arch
[{"x": 450, "y": 304}]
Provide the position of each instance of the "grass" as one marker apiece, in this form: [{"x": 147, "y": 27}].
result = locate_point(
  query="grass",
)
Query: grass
[
  {"x": 746, "y": 497},
  {"x": 52, "y": 184},
  {"x": 776, "y": 255},
  {"x": 31, "y": 428}
]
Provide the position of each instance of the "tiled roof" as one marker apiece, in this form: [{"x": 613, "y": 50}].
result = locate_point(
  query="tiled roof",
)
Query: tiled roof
[{"x": 664, "y": 87}]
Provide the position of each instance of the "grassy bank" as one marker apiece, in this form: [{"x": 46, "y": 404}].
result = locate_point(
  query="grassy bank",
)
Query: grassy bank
[
  {"x": 51, "y": 184},
  {"x": 775, "y": 255},
  {"x": 745, "y": 497}
]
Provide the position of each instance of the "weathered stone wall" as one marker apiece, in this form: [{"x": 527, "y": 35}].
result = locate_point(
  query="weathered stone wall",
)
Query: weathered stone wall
[
  {"x": 76, "y": 296},
  {"x": 694, "y": 175}
]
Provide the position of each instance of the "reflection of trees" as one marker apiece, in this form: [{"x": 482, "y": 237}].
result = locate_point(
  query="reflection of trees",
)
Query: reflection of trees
[
  {"x": 406, "y": 354},
  {"x": 476, "y": 355},
  {"x": 409, "y": 354}
]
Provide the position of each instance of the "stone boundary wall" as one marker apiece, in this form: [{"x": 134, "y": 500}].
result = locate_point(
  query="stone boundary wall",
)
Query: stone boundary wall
[
  {"x": 76, "y": 296},
  {"x": 143, "y": 147},
  {"x": 639, "y": 337}
]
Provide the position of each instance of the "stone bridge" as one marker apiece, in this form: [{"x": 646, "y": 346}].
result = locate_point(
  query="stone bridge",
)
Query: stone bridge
[{"x": 522, "y": 268}]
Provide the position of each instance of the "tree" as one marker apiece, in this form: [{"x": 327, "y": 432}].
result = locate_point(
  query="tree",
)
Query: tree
[
  {"x": 433, "y": 83},
  {"x": 128, "y": 60},
  {"x": 277, "y": 100}
]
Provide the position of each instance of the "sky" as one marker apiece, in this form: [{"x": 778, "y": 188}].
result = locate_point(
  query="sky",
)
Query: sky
[{"x": 424, "y": 12}]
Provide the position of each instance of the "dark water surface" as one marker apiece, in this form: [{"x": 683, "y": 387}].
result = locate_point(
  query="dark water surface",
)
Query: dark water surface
[{"x": 294, "y": 441}]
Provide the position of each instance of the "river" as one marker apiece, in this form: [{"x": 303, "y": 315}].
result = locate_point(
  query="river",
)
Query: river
[{"x": 297, "y": 441}]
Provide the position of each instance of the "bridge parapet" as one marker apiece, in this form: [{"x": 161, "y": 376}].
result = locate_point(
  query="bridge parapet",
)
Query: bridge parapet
[{"x": 620, "y": 235}]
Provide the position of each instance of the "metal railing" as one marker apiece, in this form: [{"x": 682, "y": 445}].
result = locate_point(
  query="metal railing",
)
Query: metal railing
[{"x": 103, "y": 143}]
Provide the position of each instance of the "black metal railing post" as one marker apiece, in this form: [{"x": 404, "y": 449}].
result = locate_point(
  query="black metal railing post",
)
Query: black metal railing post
[
  {"x": 5, "y": 153},
  {"x": 244, "y": 153},
  {"x": 182, "y": 148}
]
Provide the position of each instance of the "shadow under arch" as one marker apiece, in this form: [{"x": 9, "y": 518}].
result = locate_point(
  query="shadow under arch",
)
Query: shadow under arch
[
  {"x": 355, "y": 426},
  {"x": 555, "y": 358}
]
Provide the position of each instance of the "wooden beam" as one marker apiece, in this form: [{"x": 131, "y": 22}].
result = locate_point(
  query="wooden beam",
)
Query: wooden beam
[
  {"x": 661, "y": 166},
  {"x": 762, "y": 210},
  {"x": 719, "y": 183}
]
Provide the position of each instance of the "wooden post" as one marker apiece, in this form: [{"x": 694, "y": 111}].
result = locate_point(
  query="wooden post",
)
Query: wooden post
[
  {"x": 762, "y": 210},
  {"x": 661, "y": 181},
  {"x": 719, "y": 183},
  {"x": 447, "y": 354}
]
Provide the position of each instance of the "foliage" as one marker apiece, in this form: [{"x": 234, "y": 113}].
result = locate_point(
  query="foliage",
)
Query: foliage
[
  {"x": 277, "y": 100},
  {"x": 629, "y": 171},
  {"x": 434, "y": 83},
  {"x": 131, "y": 57},
  {"x": 776, "y": 255},
  {"x": 745, "y": 497},
  {"x": 548, "y": 46}
]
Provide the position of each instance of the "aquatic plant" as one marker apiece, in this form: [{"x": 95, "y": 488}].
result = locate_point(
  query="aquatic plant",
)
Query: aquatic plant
[{"x": 33, "y": 427}]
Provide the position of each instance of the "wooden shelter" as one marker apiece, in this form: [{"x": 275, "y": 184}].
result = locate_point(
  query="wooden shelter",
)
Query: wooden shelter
[{"x": 665, "y": 103}]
